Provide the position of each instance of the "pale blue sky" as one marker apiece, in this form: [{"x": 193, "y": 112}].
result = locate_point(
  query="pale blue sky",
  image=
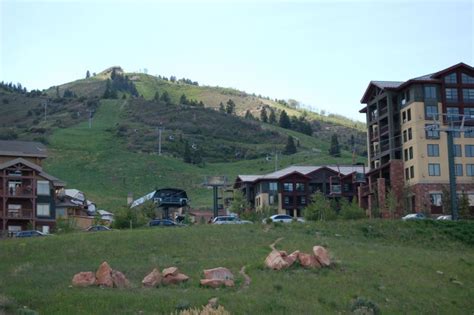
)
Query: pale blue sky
[{"x": 322, "y": 53}]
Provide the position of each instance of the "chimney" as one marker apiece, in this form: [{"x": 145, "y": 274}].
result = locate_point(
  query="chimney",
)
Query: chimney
[{"x": 129, "y": 198}]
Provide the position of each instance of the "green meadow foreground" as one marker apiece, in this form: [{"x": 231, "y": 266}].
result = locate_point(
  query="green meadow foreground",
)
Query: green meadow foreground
[{"x": 400, "y": 267}]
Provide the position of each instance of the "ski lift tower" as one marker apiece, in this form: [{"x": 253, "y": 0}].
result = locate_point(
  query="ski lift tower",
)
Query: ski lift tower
[{"x": 215, "y": 182}]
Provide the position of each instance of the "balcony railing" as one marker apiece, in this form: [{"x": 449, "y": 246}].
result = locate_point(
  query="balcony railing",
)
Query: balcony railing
[
  {"x": 20, "y": 213},
  {"x": 383, "y": 129},
  {"x": 20, "y": 192}
]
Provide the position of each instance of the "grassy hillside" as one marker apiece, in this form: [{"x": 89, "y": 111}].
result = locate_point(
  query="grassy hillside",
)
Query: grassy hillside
[
  {"x": 99, "y": 163},
  {"x": 400, "y": 267}
]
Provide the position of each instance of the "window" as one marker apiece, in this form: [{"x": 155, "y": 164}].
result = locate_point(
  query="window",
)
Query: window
[
  {"x": 469, "y": 134},
  {"x": 405, "y": 154},
  {"x": 286, "y": 200},
  {"x": 456, "y": 134},
  {"x": 458, "y": 169},
  {"x": 453, "y": 113},
  {"x": 451, "y": 78},
  {"x": 61, "y": 212},
  {"x": 431, "y": 111},
  {"x": 287, "y": 186},
  {"x": 43, "y": 187},
  {"x": 434, "y": 169},
  {"x": 405, "y": 138},
  {"x": 42, "y": 210},
  {"x": 432, "y": 132},
  {"x": 273, "y": 186},
  {"x": 412, "y": 171},
  {"x": 271, "y": 199},
  {"x": 301, "y": 200},
  {"x": 410, "y": 151},
  {"x": 407, "y": 174},
  {"x": 404, "y": 116},
  {"x": 457, "y": 150},
  {"x": 436, "y": 199},
  {"x": 409, "y": 114},
  {"x": 430, "y": 92},
  {"x": 467, "y": 79},
  {"x": 300, "y": 187},
  {"x": 433, "y": 149},
  {"x": 469, "y": 111},
  {"x": 410, "y": 136},
  {"x": 468, "y": 95},
  {"x": 452, "y": 95},
  {"x": 470, "y": 169},
  {"x": 469, "y": 149}
]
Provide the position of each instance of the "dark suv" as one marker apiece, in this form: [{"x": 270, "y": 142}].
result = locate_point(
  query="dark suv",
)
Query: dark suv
[
  {"x": 32, "y": 233},
  {"x": 164, "y": 223}
]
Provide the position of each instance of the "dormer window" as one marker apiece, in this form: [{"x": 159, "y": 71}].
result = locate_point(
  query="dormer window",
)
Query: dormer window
[{"x": 451, "y": 78}]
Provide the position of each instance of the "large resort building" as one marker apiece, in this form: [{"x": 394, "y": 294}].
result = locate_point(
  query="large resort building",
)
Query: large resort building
[{"x": 407, "y": 147}]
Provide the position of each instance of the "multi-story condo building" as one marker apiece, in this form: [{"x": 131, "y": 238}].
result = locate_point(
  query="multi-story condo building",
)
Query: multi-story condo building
[
  {"x": 27, "y": 193},
  {"x": 406, "y": 156},
  {"x": 289, "y": 190}
]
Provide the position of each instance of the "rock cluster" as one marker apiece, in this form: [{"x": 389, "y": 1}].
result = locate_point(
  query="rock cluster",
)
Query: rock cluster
[
  {"x": 169, "y": 275},
  {"x": 278, "y": 260},
  {"x": 217, "y": 277},
  {"x": 105, "y": 276}
]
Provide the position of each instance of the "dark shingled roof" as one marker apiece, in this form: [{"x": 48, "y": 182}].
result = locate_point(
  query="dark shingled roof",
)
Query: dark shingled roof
[{"x": 23, "y": 149}]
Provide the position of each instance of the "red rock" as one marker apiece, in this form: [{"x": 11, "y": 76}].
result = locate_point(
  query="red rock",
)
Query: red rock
[
  {"x": 291, "y": 258},
  {"x": 104, "y": 275},
  {"x": 216, "y": 283},
  {"x": 170, "y": 271},
  {"x": 152, "y": 279},
  {"x": 83, "y": 279},
  {"x": 308, "y": 260},
  {"x": 322, "y": 255},
  {"x": 119, "y": 280},
  {"x": 218, "y": 273},
  {"x": 275, "y": 261},
  {"x": 175, "y": 279}
]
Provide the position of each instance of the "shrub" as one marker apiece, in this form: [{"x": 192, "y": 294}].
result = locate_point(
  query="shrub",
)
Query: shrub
[
  {"x": 351, "y": 210},
  {"x": 319, "y": 209},
  {"x": 126, "y": 218}
]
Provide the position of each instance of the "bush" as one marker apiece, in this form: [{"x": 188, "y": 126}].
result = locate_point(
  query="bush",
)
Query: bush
[
  {"x": 351, "y": 210},
  {"x": 126, "y": 218},
  {"x": 319, "y": 209}
]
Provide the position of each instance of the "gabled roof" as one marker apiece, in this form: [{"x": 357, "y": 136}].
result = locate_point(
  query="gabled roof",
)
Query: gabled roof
[
  {"x": 23, "y": 149},
  {"x": 397, "y": 85},
  {"x": 56, "y": 182}
]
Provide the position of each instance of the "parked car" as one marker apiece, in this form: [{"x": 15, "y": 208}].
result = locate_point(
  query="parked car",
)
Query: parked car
[
  {"x": 229, "y": 219},
  {"x": 164, "y": 223},
  {"x": 414, "y": 216},
  {"x": 283, "y": 218},
  {"x": 32, "y": 233},
  {"x": 444, "y": 217},
  {"x": 97, "y": 228}
]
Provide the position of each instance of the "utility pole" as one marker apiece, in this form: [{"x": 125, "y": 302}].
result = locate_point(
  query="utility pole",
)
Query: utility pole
[
  {"x": 90, "y": 117},
  {"x": 160, "y": 130}
]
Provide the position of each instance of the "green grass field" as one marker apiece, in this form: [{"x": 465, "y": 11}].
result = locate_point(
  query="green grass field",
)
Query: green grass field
[{"x": 401, "y": 267}]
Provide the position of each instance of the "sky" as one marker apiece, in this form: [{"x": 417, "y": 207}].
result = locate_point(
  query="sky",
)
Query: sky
[{"x": 321, "y": 53}]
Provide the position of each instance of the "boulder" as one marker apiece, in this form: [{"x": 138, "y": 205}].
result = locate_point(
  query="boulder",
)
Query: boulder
[
  {"x": 308, "y": 260},
  {"x": 275, "y": 260},
  {"x": 174, "y": 279},
  {"x": 152, "y": 279},
  {"x": 218, "y": 273},
  {"x": 291, "y": 258},
  {"x": 322, "y": 255},
  {"x": 119, "y": 280},
  {"x": 170, "y": 271},
  {"x": 104, "y": 275},
  {"x": 216, "y": 283},
  {"x": 213, "y": 303},
  {"x": 83, "y": 279}
]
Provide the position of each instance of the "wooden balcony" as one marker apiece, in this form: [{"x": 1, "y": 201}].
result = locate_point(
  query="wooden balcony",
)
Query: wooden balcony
[
  {"x": 20, "y": 192},
  {"x": 19, "y": 214}
]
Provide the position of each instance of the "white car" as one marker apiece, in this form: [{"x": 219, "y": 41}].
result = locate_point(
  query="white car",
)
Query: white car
[
  {"x": 414, "y": 216},
  {"x": 229, "y": 219},
  {"x": 283, "y": 218},
  {"x": 444, "y": 217}
]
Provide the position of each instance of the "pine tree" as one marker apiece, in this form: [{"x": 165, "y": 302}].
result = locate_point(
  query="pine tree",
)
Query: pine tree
[
  {"x": 290, "y": 147},
  {"x": 156, "y": 98},
  {"x": 335, "y": 150},
  {"x": 463, "y": 206},
  {"x": 108, "y": 92},
  {"x": 230, "y": 107},
  {"x": 88, "y": 74},
  {"x": 183, "y": 100},
  {"x": 272, "y": 118},
  {"x": 248, "y": 115},
  {"x": 263, "y": 115},
  {"x": 284, "y": 120},
  {"x": 165, "y": 97},
  {"x": 221, "y": 108}
]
